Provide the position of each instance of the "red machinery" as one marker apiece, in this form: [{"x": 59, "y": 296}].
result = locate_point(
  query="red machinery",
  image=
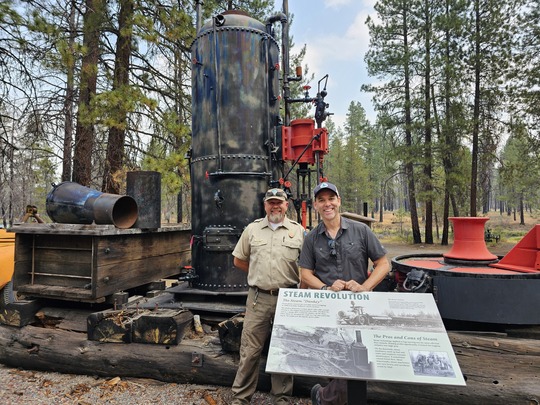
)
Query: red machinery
[
  {"x": 471, "y": 284},
  {"x": 305, "y": 146}
]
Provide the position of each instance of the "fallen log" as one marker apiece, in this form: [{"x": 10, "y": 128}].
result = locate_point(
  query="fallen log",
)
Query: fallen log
[{"x": 497, "y": 369}]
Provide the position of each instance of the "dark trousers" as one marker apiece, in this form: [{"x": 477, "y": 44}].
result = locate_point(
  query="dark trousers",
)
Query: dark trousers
[{"x": 335, "y": 393}]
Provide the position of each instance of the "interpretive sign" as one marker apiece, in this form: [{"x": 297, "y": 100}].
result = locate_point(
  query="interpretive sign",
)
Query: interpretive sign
[{"x": 386, "y": 336}]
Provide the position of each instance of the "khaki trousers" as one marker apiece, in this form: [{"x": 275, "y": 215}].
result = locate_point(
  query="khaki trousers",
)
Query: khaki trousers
[{"x": 256, "y": 330}]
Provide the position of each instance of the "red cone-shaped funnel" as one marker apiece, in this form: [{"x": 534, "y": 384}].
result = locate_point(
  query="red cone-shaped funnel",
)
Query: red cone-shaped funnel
[{"x": 469, "y": 243}]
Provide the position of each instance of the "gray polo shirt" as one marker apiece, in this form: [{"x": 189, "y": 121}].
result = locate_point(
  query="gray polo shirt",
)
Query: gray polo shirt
[{"x": 355, "y": 243}]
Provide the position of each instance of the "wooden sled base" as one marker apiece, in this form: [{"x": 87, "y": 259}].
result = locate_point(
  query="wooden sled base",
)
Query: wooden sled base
[{"x": 497, "y": 369}]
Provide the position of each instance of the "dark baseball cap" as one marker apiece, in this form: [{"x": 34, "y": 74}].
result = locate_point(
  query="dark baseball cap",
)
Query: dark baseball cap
[
  {"x": 325, "y": 186},
  {"x": 275, "y": 194}
]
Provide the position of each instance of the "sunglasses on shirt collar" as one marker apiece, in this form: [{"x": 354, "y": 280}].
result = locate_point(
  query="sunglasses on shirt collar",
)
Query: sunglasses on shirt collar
[{"x": 332, "y": 246}]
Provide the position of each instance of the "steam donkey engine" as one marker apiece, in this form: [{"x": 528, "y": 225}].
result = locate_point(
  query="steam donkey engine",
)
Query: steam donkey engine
[{"x": 240, "y": 144}]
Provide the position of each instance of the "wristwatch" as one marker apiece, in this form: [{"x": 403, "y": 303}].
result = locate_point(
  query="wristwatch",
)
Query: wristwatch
[{"x": 324, "y": 287}]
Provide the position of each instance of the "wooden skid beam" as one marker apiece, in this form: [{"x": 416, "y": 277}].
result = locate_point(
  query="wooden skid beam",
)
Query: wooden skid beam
[
  {"x": 498, "y": 370},
  {"x": 159, "y": 326}
]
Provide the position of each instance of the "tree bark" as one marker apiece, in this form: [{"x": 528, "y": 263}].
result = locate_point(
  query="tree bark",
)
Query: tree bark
[
  {"x": 427, "y": 129},
  {"x": 409, "y": 170},
  {"x": 117, "y": 133},
  {"x": 85, "y": 136},
  {"x": 70, "y": 99},
  {"x": 476, "y": 113}
]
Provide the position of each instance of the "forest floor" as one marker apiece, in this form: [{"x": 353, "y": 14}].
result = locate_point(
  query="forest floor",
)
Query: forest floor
[{"x": 396, "y": 230}]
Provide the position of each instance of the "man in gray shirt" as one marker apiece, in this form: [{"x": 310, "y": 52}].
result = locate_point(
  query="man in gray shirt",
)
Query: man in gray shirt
[{"x": 335, "y": 257}]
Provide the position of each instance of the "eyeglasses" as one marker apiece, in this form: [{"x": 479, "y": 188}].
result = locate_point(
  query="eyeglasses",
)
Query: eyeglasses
[{"x": 332, "y": 246}]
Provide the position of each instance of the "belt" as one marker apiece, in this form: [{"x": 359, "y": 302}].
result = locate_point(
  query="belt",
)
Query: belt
[{"x": 271, "y": 292}]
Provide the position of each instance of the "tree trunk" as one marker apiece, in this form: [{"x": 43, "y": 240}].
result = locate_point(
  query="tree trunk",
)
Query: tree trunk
[
  {"x": 67, "y": 158},
  {"x": 409, "y": 170},
  {"x": 476, "y": 113},
  {"x": 521, "y": 210},
  {"x": 85, "y": 136},
  {"x": 428, "y": 187},
  {"x": 117, "y": 133}
]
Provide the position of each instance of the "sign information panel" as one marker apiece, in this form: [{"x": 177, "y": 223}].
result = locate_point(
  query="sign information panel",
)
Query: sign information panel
[{"x": 386, "y": 336}]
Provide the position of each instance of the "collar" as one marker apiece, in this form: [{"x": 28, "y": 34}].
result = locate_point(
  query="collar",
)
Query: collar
[
  {"x": 286, "y": 223},
  {"x": 343, "y": 224}
]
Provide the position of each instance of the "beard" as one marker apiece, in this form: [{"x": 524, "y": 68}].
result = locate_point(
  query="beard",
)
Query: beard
[{"x": 276, "y": 217}]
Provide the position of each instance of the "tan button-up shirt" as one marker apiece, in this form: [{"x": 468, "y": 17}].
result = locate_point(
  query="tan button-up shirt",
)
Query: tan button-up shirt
[{"x": 272, "y": 254}]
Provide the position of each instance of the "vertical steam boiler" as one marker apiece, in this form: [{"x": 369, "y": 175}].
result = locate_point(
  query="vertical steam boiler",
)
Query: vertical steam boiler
[{"x": 235, "y": 122}]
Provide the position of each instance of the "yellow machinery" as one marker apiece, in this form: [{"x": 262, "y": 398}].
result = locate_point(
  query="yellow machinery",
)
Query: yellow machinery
[{"x": 7, "y": 252}]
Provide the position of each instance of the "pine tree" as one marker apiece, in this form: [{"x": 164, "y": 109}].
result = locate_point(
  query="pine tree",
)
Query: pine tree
[{"x": 391, "y": 57}]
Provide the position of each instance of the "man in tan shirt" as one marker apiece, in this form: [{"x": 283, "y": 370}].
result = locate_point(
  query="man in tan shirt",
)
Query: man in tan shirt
[{"x": 268, "y": 251}]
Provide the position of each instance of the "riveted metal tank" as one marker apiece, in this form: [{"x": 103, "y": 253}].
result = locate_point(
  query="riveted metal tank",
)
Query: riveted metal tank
[{"x": 235, "y": 113}]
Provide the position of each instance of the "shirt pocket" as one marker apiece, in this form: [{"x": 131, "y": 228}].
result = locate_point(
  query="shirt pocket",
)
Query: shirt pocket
[
  {"x": 291, "y": 249},
  {"x": 354, "y": 253},
  {"x": 258, "y": 248}
]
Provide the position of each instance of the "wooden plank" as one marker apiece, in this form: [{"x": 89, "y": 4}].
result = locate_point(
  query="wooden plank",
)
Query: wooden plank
[
  {"x": 62, "y": 255},
  {"x": 47, "y": 257},
  {"x": 48, "y": 291},
  {"x": 136, "y": 247},
  {"x": 131, "y": 274},
  {"x": 75, "y": 242},
  {"x": 46, "y": 279},
  {"x": 70, "y": 319},
  {"x": 89, "y": 229}
]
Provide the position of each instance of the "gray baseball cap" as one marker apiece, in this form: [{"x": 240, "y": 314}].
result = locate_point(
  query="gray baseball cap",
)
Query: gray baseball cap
[{"x": 325, "y": 186}]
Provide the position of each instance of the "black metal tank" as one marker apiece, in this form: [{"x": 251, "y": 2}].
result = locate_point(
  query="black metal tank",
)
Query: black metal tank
[{"x": 235, "y": 115}]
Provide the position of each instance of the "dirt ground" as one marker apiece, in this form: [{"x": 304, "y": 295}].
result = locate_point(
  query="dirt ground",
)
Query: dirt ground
[{"x": 398, "y": 249}]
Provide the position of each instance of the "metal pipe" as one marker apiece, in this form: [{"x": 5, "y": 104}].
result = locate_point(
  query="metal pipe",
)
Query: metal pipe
[
  {"x": 198, "y": 20},
  {"x": 283, "y": 18},
  {"x": 71, "y": 203},
  {"x": 217, "y": 21},
  {"x": 222, "y": 174},
  {"x": 285, "y": 46}
]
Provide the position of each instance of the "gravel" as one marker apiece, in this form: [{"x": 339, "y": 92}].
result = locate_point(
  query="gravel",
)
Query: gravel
[{"x": 44, "y": 388}]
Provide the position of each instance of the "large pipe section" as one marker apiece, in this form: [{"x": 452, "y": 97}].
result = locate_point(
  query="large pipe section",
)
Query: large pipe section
[{"x": 72, "y": 203}]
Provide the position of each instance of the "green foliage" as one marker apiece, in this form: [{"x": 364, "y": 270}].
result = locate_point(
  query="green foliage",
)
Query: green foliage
[
  {"x": 358, "y": 161},
  {"x": 109, "y": 108},
  {"x": 520, "y": 168}
]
